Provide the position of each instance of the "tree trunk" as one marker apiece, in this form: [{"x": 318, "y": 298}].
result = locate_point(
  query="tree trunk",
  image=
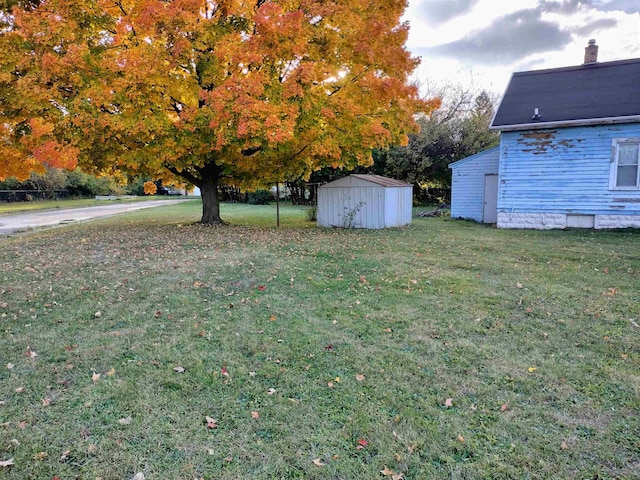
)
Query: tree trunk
[{"x": 210, "y": 201}]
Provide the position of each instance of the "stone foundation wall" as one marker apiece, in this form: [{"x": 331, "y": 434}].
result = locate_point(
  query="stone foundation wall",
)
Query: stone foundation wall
[
  {"x": 538, "y": 221},
  {"x": 617, "y": 221},
  {"x": 548, "y": 221}
]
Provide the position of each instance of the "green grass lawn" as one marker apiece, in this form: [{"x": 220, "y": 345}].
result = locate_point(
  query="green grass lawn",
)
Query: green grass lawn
[{"x": 443, "y": 350}]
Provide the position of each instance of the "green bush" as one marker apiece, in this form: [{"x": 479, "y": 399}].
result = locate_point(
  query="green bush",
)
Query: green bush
[
  {"x": 260, "y": 197},
  {"x": 80, "y": 184},
  {"x": 312, "y": 214},
  {"x": 136, "y": 186}
]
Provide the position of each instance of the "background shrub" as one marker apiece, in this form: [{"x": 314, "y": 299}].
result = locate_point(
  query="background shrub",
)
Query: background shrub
[
  {"x": 312, "y": 214},
  {"x": 260, "y": 197}
]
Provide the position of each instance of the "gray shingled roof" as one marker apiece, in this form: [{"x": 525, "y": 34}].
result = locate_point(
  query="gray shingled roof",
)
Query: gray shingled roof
[{"x": 590, "y": 94}]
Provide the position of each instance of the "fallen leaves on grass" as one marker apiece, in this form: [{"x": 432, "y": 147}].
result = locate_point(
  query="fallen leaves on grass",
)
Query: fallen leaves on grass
[
  {"x": 95, "y": 377},
  {"x": 387, "y": 472},
  {"x": 255, "y": 415},
  {"x": 10, "y": 366},
  {"x": 271, "y": 391},
  {"x": 504, "y": 407},
  {"x": 360, "y": 377},
  {"x": 362, "y": 443},
  {"x": 318, "y": 462},
  {"x": 6, "y": 463},
  {"x": 40, "y": 456},
  {"x": 111, "y": 372},
  {"x": 46, "y": 402},
  {"x": 125, "y": 420},
  {"x": 19, "y": 389},
  {"x": 532, "y": 369},
  {"x": 448, "y": 402},
  {"x": 211, "y": 422},
  {"x": 224, "y": 372},
  {"x": 178, "y": 369},
  {"x": 564, "y": 445},
  {"x": 30, "y": 354}
]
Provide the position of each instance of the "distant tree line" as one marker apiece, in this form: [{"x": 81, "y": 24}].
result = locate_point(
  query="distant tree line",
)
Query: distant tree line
[
  {"x": 58, "y": 183},
  {"x": 458, "y": 129}
]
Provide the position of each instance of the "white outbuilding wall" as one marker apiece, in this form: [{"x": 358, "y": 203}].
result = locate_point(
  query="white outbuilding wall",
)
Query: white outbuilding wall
[
  {"x": 365, "y": 201},
  {"x": 469, "y": 182}
]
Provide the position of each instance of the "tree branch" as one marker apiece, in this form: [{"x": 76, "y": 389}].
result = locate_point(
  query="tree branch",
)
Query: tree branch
[
  {"x": 188, "y": 176},
  {"x": 121, "y": 7},
  {"x": 104, "y": 109},
  {"x": 176, "y": 104},
  {"x": 251, "y": 151}
]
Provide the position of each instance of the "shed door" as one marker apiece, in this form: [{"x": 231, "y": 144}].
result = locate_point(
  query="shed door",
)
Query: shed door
[{"x": 490, "y": 207}]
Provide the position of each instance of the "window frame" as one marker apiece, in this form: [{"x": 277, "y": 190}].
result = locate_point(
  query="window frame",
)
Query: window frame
[{"x": 613, "y": 174}]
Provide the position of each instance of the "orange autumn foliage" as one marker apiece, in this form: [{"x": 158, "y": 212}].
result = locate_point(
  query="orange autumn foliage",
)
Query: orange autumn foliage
[
  {"x": 236, "y": 91},
  {"x": 150, "y": 188}
]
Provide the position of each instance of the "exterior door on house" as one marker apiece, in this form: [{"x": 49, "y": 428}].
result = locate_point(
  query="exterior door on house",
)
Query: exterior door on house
[{"x": 490, "y": 207}]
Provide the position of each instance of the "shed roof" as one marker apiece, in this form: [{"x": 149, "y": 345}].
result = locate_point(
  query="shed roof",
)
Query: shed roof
[
  {"x": 375, "y": 179},
  {"x": 589, "y": 94}
]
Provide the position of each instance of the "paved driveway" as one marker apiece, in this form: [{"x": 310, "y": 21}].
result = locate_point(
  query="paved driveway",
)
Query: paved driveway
[{"x": 25, "y": 221}]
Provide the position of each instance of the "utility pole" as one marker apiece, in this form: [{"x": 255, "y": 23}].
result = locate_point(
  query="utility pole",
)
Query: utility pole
[{"x": 277, "y": 204}]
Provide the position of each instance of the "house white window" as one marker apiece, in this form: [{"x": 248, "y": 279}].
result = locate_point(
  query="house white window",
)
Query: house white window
[{"x": 625, "y": 164}]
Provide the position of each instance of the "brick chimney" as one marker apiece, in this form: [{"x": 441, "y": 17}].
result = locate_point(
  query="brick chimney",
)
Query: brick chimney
[{"x": 591, "y": 52}]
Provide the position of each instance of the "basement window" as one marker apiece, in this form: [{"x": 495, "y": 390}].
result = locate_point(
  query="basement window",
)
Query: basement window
[{"x": 625, "y": 164}]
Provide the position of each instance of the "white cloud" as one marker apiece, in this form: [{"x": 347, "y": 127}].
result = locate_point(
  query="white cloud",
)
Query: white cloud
[{"x": 487, "y": 40}]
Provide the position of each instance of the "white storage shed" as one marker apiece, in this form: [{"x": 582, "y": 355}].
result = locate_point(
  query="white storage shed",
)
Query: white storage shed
[
  {"x": 365, "y": 201},
  {"x": 474, "y": 187}
]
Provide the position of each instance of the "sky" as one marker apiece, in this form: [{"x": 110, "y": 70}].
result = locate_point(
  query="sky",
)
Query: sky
[{"x": 482, "y": 42}]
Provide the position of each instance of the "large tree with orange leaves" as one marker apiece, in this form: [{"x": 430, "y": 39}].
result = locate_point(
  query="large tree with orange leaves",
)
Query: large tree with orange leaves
[{"x": 236, "y": 91}]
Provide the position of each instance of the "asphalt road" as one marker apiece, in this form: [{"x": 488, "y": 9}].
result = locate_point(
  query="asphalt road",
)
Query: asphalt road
[{"x": 29, "y": 220}]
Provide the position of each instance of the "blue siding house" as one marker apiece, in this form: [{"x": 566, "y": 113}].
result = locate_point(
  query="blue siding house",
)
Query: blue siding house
[{"x": 570, "y": 147}]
